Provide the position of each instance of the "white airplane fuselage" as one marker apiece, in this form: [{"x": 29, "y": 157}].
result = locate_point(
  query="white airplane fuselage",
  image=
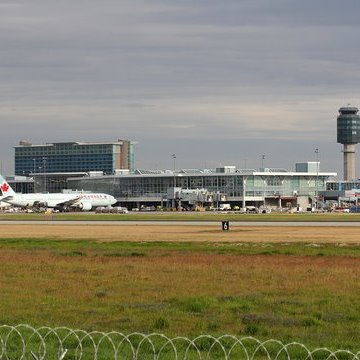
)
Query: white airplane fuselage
[{"x": 59, "y": 200}]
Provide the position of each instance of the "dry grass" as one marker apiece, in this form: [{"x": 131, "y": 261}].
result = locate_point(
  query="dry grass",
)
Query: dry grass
[
  {"x": 193, "y": 293},
  {"x": 187, "y": 291},
  {"x": 104, "y": 232}
]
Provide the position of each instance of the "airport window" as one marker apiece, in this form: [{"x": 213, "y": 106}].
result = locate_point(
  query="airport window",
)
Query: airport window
[{"x": 275, "y": 181}]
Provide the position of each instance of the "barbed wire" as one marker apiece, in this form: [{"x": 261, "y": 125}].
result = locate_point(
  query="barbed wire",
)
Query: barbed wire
[{"x": 25, "y": 342}]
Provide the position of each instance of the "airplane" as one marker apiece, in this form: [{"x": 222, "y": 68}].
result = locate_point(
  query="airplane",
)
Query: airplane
[{"x": 60, "y": 201}]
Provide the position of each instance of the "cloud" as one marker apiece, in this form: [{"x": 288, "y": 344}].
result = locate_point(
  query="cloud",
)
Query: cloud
[{"x": 167, "y": 69}]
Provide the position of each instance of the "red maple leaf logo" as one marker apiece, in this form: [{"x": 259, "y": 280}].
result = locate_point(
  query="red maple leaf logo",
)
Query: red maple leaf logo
[{"x": 4, "y": 187}]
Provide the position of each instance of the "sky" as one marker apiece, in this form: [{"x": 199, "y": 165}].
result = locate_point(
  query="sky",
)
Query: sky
[{"x": 214, "y": 82}]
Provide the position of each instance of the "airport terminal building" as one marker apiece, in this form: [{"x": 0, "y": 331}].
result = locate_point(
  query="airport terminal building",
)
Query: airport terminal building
[{"x": 267, "y": 187}]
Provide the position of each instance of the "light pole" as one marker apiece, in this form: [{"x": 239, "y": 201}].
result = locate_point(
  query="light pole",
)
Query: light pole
[
  {"x": 244, "y": 194},
  {"x": 44, "y": 168},
  {"x": 174, "y": 160},
  {"x": 263, "y": 169},
  {"x": 317, "y": 177},
  {"x": 34, "y": 167}
]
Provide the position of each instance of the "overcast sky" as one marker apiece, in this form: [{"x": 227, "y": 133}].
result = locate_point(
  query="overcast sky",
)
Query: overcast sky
[{"x": 215, "y": 82}]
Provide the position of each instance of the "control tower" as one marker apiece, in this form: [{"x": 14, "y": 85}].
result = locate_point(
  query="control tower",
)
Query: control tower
[{"x": 348, "y": 134}]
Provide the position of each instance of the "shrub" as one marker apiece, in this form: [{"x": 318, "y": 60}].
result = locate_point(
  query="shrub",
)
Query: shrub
[{"x": 161, "y": 323}]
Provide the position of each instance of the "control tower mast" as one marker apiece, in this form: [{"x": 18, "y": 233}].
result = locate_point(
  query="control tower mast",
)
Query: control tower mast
[{"x": 348, "y": 134}]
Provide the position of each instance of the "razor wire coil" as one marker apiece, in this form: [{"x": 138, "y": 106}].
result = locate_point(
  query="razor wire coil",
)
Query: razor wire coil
[{"x": 23, "y": 342}]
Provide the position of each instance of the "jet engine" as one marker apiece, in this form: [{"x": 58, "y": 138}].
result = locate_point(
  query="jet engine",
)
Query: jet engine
[
  {"x": 84, "y": 205},
  {"x": 40, "y": 204}
]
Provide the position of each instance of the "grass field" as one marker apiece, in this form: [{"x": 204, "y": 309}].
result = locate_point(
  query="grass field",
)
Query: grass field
[
  {"x": 287, "y": 283},
  {"x": 186, "y": 216}
]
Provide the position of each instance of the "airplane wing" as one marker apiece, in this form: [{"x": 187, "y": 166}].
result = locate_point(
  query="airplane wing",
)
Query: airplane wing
[
  {"x": 69, "y": 202},
  {"x": 77, "y": 202}
]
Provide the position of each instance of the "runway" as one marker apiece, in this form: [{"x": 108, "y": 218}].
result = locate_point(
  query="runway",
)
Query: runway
[
  {"x": 184, "y": 223},
  {"x": 182, "y": 231}
]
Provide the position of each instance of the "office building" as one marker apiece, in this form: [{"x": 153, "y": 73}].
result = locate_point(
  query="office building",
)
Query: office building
[{"x": 65, "y": 157}]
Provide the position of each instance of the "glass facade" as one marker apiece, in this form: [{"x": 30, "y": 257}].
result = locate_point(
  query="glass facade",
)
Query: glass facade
[
  {"x": 23, "y": 186},
  {"x": 73, "y": 157},
  {"x": 342, "y": 185},
  {"x": 155, "y": 187}
]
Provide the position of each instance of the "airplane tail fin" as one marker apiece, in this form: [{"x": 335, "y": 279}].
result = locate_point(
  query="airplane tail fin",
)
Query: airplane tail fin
[{"x": 5, "y": 188}]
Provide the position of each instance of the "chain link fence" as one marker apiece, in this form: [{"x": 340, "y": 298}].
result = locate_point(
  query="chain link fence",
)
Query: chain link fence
[{"x": 26, "y": 342}]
